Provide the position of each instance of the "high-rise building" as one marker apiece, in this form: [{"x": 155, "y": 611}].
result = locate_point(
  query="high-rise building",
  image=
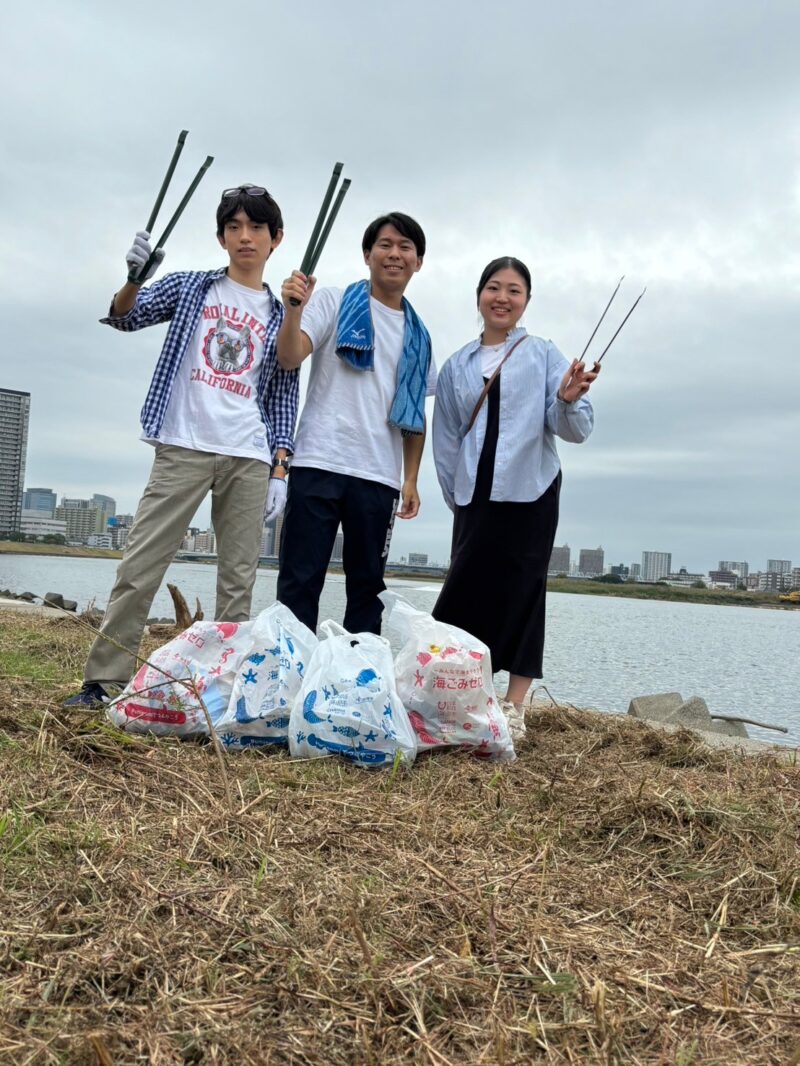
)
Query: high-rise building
[
  {"x": 278, "y": 526},
  {"x": 15, "y": 408},
  {"x": 206, "y": 542},
  {"x": 559, "y": 560},
  {"x": 268, "y": 541},
  {"x": 107, "y": 508},
  {"x": 685, "y": 577},
  {"x": 85, "y": 517},
  {"x": 741, "y": 568},
  {"x": 40, "y": 524},
  {"x": 779, "y": 566},
  {"x": 655, "y": 565},
  {"x": 119, "y": 526},
  {"x": 338, "y": 547},
  {"x": 591, "y": 561},
  {"x": 773, "y": 581},
  {"x": 727, "y": 579},
  {"x": 41, "y": 500},
  {"x": 621, "y": 570},
  {"x": 636, "y": 572}
]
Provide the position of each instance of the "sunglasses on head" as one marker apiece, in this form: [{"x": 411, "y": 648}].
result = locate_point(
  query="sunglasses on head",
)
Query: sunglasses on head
[{"x": 251, "y": 190}]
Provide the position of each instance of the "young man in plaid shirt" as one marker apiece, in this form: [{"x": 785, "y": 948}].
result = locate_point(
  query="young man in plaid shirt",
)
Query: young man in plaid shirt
[{"x": 220, "y": 413}]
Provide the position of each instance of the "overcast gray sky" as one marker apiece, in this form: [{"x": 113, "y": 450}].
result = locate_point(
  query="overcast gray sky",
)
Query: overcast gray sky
[{"x": 656, "y": 140}]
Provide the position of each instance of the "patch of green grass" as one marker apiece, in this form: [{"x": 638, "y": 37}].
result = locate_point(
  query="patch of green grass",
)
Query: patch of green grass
[
  {"x": 687, "y": 1054},
  {"x": 20, "y": 662}
]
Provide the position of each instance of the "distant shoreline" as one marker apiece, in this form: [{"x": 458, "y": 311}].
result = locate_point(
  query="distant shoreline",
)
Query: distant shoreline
[
  {"x": 82, "y": 551},
  {"x": 670, "y": 593}
]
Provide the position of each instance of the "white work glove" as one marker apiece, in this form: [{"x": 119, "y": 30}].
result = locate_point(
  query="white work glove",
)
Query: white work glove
[
  {"x": 276, "y": 499},
  {"x": 137, "y": 256}
]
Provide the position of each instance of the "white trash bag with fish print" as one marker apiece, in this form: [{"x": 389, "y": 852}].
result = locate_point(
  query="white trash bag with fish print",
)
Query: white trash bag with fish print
[
  {"x": 444, "y": 678},
  {"x": 348, "y": 704},
  {"x": 267, "y": 681},
  {"x": 164, "y": 697}
]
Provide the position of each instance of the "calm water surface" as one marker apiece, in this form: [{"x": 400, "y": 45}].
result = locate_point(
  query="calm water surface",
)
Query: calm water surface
[{"x": 600, "y": 651}]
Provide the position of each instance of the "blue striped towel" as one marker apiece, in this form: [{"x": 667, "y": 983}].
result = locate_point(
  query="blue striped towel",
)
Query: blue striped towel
[{"x": 356, "y": 345}]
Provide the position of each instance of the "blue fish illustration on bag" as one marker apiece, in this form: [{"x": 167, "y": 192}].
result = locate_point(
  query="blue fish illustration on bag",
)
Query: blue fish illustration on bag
[
  {"x": 308, "y": 708},
  {"x": 359, "y": 754},
  {"x": 365, "y": 676},
  {"x": 241, "y": 711},
  {"x": 345, "y": 730}
]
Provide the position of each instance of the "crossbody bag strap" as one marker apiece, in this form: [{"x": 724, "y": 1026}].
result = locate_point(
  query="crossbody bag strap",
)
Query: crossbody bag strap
[{"x": 491, "y": 381}]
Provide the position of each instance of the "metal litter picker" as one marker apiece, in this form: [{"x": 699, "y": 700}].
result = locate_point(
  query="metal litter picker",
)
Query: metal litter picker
[
  {"x": 323, "y": 227},
  {"x": 138, "y": 277}
]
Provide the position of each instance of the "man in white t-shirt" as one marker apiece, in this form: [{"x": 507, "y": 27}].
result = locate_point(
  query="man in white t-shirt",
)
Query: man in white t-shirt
[
  {"x": 220, "y": 414},
  {"x": 362, "y": 430}
]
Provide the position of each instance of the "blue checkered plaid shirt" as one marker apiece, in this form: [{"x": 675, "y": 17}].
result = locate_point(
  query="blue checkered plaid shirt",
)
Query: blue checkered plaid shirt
[{"x": 179, "y": 299}]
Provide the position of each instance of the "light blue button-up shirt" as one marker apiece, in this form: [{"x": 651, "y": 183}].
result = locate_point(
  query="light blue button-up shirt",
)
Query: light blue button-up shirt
[{"x": 531, "y": 417}]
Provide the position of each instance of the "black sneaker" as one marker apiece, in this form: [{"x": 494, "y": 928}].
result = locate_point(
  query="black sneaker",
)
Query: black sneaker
[{"x": 91, "y": 695}]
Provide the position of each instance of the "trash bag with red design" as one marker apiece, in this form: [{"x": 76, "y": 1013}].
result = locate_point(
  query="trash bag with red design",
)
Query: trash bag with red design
[
  {"x": 164, "y": 697},
  {"x": 444, "y": 679}
]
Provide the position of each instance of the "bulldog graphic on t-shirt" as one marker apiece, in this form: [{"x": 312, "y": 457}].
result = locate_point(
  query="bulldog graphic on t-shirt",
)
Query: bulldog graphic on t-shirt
[{"x": 228, "y": 348}]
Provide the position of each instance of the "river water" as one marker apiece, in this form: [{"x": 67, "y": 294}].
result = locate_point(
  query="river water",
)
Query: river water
[{"x": 600, "y": 651}]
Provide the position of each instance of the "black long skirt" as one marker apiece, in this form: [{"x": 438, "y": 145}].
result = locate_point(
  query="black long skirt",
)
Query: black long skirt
[{"x": 497, "y": 582}]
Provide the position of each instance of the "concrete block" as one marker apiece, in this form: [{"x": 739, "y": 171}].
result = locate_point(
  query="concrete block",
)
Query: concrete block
[
  {"x": 729, "y": 729},
  {"x": 692, "y": 714},
  {"x": 54, "y": 598},
  {"x": 658, "y": 708}
]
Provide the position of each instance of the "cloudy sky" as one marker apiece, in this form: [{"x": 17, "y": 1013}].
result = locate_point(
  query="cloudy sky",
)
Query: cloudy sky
[{"x": 656, "y": 140}]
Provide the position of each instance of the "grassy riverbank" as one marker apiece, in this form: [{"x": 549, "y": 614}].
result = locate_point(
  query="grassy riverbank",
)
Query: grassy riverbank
[
  {"x": 12, "y": 547},
  {"x": 725, "y": 597},
  {"x": 617, "y": 895}
]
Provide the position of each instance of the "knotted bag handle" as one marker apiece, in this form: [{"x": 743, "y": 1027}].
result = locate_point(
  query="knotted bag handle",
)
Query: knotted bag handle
[{"x": 491, "y": 381}]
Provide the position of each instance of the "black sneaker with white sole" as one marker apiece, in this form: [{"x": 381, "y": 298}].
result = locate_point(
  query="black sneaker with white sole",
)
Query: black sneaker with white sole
[{"x": 91, "y": 696}]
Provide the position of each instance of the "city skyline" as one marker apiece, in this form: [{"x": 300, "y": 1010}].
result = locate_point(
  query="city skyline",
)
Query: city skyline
[{"x": 607, "y": 559}]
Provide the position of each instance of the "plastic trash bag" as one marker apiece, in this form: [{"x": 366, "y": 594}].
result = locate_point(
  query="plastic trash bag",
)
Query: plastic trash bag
[
  {"x": 152, "y": 702},
  {"x": 267, "y": 681},
  {"x": 348, "y": 704},
  {"x": 444, "y": 678}
]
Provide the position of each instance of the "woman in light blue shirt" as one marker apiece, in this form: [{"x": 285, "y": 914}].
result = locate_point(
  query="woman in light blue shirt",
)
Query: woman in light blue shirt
[{"x": 501, "y": 401}]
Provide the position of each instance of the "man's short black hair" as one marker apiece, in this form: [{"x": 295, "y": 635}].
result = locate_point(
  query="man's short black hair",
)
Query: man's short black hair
[
  {"x": 261, "y": 208},
  {"x": 402, "y": 223}
]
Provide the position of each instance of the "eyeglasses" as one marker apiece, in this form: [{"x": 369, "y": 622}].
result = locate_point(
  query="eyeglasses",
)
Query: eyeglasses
[{"x": 251, "y": 190}]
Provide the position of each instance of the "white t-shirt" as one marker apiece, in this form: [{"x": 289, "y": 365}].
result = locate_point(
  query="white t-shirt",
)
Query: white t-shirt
[
  {"x": 344, "y": 425},
  {"x": 213, "y": 405},
  {"x": 492, "y": 356}
]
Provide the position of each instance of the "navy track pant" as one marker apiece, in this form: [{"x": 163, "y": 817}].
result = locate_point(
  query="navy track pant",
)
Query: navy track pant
[{"x": 319, "y": 502}]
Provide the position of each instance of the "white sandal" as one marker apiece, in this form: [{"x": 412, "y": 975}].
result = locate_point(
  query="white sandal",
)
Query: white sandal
[{"x": 515, "y": 716}]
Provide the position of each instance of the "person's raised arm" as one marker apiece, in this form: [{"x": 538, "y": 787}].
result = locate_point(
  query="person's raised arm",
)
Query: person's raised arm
[
  {"x": 568, "y": 412},
  {"x": 293, "y": 344},
  {"x": 137, "y": 256}
]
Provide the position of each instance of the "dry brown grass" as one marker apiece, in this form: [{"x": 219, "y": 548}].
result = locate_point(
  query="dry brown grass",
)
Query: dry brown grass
[{"x": 615, "y": 896}]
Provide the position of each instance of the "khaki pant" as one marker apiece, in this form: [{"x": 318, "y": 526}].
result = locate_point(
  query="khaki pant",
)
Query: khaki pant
[{"x": 178, "y": 483}]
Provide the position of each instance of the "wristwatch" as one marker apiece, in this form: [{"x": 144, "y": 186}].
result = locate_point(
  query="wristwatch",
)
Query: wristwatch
[{"x": 285, "y": 463}]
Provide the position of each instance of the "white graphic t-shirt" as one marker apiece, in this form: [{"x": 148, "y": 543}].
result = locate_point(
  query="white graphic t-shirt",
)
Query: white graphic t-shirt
[
  {"x": 213, "y": 405},
  {"x": 344, "y": 427}
]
